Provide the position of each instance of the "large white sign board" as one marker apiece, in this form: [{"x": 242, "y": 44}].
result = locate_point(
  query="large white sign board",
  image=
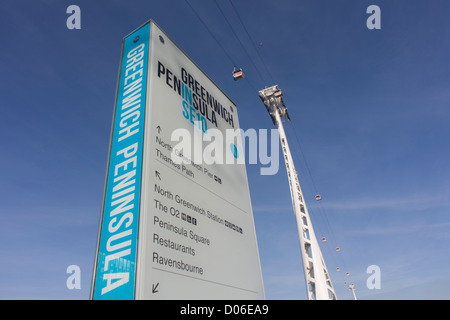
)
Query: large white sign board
[{"x": 196, "y": 236}]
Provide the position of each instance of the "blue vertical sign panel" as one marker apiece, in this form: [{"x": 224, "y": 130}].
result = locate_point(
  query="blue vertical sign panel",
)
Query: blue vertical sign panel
[{"x": 115, "y": 271}]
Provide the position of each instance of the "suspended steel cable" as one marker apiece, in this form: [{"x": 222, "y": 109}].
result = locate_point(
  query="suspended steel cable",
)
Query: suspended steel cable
[
  {"x": 304, "y": 159},
  {"x": 217, "y": 41},
  {"x": 239, "y": 40},
  {"x": 293, "y": 129},
  {"x": 341, "y": 264},
  {"x": 210, "y": 32},
  {"x": 251, "y": 40},
  {"x": 270, "y": 75},
  {"x": 309, "y": 173},
  {"x": 265, "y": 66},
  {"x": 338, "y": 259}
]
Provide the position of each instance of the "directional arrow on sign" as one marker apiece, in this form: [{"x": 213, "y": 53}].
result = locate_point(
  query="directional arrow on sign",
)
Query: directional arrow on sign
[
  {"x": 157, "y": 175},
  {"x": 159, "y": 129},
  {"x": 154, "y": 288}
]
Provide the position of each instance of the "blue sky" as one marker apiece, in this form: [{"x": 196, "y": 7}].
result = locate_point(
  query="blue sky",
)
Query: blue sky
[{"x": 369, "y": 109}]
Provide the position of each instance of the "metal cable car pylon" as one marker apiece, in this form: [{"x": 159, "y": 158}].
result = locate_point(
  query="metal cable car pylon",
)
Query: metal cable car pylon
[{"x": 318, "y": 282}]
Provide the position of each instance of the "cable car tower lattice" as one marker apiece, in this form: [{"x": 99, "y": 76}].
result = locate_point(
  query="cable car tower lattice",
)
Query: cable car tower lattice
[{"x": 318, "y": 282}]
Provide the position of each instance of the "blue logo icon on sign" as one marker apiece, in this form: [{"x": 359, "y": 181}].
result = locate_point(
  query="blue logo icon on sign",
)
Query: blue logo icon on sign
[{"x": 234, "y": 150}]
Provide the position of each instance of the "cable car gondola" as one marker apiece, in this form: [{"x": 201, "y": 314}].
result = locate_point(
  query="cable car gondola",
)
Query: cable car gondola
[
  {"x": 237, "y": 74},
  {"x": 318, "y": 197}
]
